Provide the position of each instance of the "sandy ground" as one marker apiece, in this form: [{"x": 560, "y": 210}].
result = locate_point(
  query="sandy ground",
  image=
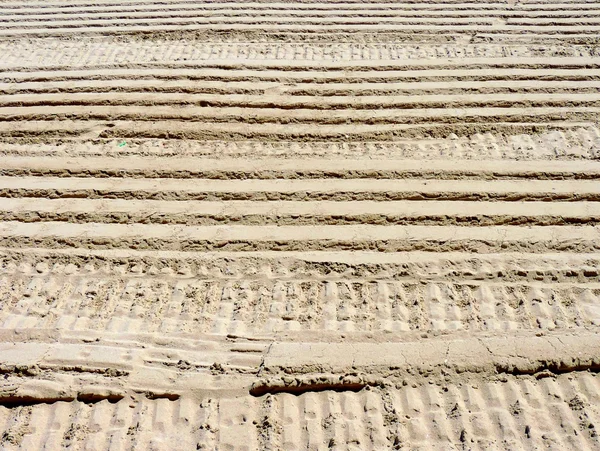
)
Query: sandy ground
[{"x": 306, "y": 225}]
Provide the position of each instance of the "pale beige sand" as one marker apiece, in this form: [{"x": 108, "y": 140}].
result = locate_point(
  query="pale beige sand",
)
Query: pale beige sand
[{"x": 299, "y": 225}]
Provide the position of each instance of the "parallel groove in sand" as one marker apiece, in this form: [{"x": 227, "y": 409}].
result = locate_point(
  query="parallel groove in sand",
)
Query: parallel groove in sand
[
  {"x": 575, "y": 31},
  {"x": 298, "y": 213},
  {"x": 118, "y": 246},
  {"x": 301, "y": 74},
  {"x": 356, "y": 101},
  {"x": 298, "y": 168},
  {"x": 435, "y": 23},
  {"x": 495, "y": 18}
]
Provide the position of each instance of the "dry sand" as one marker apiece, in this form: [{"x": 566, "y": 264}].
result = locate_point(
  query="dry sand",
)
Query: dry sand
[{"x": 303, "y": 225}]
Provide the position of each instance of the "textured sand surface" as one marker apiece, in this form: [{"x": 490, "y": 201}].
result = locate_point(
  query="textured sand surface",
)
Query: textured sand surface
[{"x": 335, "y": 225}]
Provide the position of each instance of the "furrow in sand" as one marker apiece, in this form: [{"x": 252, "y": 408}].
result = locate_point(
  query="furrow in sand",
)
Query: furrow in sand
[
  {"x": 219, "y": 19},
  {"x": 218, "y": 4},
  {"x": 273, "y": 168},
  {"x": 291, "y": 9},
  {"x": 342, "y": 69},
  {"x": 271, "y": 132},
  {"x": 456, "y": 114},
  {"x": 298, "y": 213},
  {"x": 538, "y": 4},
  {"x": 492, "y": 5},
  {"x": 310, "y": 76},
  {"x": 506, "y": 267},
  {"x": 152, "y": 12},
  {"x": 272, "y": 26},
  {"x": 269, "y": 102},
  {"x": 302, "y": 90},
  {"x": 86, "y": 22},
  {"x": 282, "y": 219},
  {"x": 304, "y": 4},
  {"x": 576, "y": 20},
  {"x": 314, "y": 8},
  {"x": 273, "y": 233},
  {"x": 405, "y": 208},
  {"x": 269, "y": 237},
  {"x": 365, "y": 189}
]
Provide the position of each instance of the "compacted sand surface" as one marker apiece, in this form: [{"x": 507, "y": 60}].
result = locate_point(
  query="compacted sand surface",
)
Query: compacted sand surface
[{"x": 335, "y": 225}]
